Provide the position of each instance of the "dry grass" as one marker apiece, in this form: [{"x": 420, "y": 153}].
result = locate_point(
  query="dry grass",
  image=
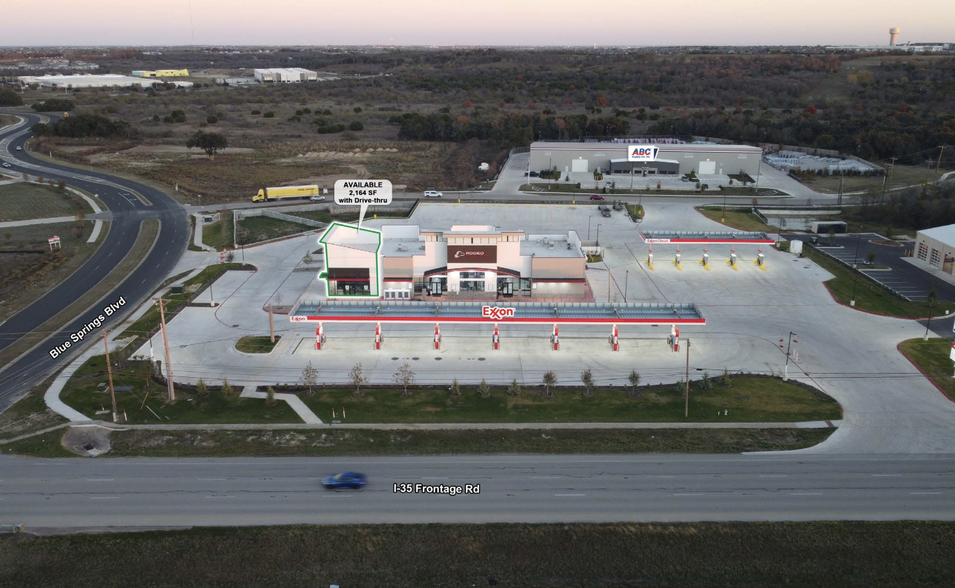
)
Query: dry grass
[
  {"x": 149, "y": 230},
  {"x": 814, "y": 554},
  {"x": 22, "y": 201}
]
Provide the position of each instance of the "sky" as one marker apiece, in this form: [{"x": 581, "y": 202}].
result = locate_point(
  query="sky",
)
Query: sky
[{"x": 488, "y": 22}]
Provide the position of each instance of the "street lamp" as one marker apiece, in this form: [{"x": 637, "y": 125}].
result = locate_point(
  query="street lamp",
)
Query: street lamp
[
  {"x": 589, "y": 218},
  {"x": 932, "y": 299},
  {"x": 855, "y": 274},
  {"x": 626, "y": 285},
  {"x": 598, "y": 235},
  {"x": 723, "y": 214},
  {"x": 792, "y": 339}
]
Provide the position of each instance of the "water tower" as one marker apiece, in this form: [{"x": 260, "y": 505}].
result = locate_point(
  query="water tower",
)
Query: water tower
[{"x": 893, "y": 35}]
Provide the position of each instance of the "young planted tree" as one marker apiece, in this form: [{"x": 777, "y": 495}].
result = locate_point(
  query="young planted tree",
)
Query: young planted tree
[
  {"x": 484, "y": 391},
  {"x": 455, "y": 388},
  {"x": 725, "y": 379},
  {"x": 226, "y": 389},
  {"x": 706, "y": 384},
  {"x": 514, "y": 389},
  {"x": 405, "y": 378},
  {"x": 634, "y": 380},
  {"x": 549, "y": 379},
  {"x": 310, "y": 378},
  {"x": 270, "y": 397},
  {"x": 587, "y": 379},
  {"x": 357, "y": 379},
  {"x": 202, "y": 389}
]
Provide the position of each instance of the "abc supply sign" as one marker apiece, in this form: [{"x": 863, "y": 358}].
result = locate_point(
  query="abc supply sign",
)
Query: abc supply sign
[
  {"x": 472, "y": 253},
  {"x": 642, "y": 153}
]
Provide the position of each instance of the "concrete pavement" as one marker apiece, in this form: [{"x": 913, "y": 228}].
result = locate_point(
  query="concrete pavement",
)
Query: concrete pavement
[{"x": 72, "y": 494}]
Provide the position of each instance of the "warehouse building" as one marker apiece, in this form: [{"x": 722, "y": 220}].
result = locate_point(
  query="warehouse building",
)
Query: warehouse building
[
  {"x": 663, "y": 158},
  {"x": 477, "y": 261},
  {"x": 285, "y": 75},
  {"x": 93, "y": 81},
  {"x": 936, "y": 248},
  {"x": 161, "y": 73}
]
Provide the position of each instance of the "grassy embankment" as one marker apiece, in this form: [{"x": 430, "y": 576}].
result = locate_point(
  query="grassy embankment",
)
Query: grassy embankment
[
  {"x": 334, "y": 441},
  {"x": 740, "y": 219},
  {"x": 813, "y": 554},
  {"x": 932, "y": 357}
]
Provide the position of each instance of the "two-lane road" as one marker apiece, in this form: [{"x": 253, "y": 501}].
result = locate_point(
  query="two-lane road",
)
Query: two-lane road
[
  {"x": 82, "y": 493},
  {"x": 129, "y": 203}
]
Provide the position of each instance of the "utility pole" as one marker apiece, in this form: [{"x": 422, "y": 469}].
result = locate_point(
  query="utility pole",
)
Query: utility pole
[
  {"x": 165, "y": 342},
  {"x": 109, "y": 375},
  {"x": 788, "y": 347},
  {"x": 938, "y": 164},
  {"x": 626, "y": 286},
  {"x": 609, "y": 281},
  {"x": 855, "y": 272},
  {"x": 686, "y": 395},
  {"x": 271, "y": 325}
]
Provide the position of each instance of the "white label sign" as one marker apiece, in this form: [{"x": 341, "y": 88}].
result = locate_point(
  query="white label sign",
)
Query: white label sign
[
  {"x": 362, "y": 193},
  {"x": 642, "y": 153}
]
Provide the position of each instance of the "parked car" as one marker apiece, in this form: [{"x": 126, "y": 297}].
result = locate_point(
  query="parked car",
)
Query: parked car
[
  {"x": 5, "y": 164},
  {"x": 318, "y": 199},
  {"x": 596, "y": 197},
  {"x": 535, "y": 174},
  {"x": 345, "y": 480},
  {"x": 432, "y": 194}
]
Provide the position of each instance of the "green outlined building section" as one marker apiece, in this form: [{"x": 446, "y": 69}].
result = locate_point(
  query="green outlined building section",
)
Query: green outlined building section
[{"x": 352, "y": 261}]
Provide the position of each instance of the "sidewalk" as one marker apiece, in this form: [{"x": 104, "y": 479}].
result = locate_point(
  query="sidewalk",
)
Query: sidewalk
[{"x": 461, "y": 426}]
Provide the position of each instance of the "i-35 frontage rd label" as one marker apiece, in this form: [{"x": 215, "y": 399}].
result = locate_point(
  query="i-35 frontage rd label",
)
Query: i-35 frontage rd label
[{"x": 450, "y": 490}]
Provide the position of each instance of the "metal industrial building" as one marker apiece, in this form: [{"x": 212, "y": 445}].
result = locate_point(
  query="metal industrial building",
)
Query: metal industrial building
[
  {"x": 645, "y": 159},
  {"x": 936, "y": 247},
  {"x": 161, "y": 73},
  {"x": 285, "y": 75}
]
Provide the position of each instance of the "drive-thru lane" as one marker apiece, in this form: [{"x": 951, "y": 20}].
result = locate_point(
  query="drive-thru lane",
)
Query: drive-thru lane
[
  {"x": 130, "y": 203},
  {"x": 82, "y": 493}
]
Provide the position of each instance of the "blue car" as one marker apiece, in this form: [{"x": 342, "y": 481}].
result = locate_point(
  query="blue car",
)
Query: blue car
[{"x": 345, "y": 480}]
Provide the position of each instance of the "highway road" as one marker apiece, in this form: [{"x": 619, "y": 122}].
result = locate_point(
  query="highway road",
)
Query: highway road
[
  {"x": 130, "y": 203},
  {"x": 119, "y": 492}
]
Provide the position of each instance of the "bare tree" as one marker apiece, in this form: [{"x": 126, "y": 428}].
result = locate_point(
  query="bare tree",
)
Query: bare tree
[
  {"x": 357, "y": 379},
  {"x": 587, "y": 378},
  {"x": 405, "y": 377},
  {"x": 310, "y": 378},
  {"x": 550, "y": 379},
  {"x": 634, "y": 379}
]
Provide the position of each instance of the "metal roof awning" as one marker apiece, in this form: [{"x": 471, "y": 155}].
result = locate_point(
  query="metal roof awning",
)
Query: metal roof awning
[
  {"x": 709, "y": 237},
  {"x": 474, "y": 312}
]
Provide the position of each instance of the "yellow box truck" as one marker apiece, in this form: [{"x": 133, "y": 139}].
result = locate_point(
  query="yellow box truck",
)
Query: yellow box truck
[{"x": 283, "y": 192}]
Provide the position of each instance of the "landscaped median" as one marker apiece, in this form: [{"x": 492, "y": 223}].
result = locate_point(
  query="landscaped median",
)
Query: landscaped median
[
  {"x": 741, "y": 219},
  {"x": 932, "y": 359}
]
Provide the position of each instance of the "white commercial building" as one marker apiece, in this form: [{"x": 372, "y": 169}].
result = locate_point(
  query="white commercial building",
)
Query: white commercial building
[
  {"x": 285, "y": 75},
  {"x": 936, "y": 247},
  {"x": 95, "y": 81},
  {"x": 404, "y": 262}
]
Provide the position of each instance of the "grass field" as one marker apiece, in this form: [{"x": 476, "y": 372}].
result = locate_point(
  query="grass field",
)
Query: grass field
[
  {"x": 370, "y": 442},
  {"x": 812, "y": 554},
  {"x": 740, "y": 219},
  {"x": 25, "y": 277},
  {"x": 22, "y": 201},
  {"x": 218, "y": 235},
  {"x": 869, "y": 296},
  {"x": 255, "y": 229},
  {"x": 748, "y": 399},
  {"x": 261, "y": 344},
  {"x": 29, "y": 414},
  {"x": 932, "y": 357},
  {"x": 902, "y": 175},
  {"x": 324, "y": 216},
  {"x": 86, "y": 392}
]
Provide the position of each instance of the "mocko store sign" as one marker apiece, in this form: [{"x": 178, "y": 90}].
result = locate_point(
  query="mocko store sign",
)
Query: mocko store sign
[{"x": 472, "y": 253}]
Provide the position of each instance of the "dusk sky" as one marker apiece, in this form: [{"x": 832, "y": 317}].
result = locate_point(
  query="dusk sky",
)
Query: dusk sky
[{"x": 491, "y": 22}]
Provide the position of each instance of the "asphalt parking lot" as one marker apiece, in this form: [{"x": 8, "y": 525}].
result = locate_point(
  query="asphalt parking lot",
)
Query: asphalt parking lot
[{"x": 888, "y": 268}]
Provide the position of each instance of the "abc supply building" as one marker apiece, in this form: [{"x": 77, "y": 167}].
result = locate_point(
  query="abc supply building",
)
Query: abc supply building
[
  {"x": 404, "y": 262},
  {"x": 668, "y": 157}
]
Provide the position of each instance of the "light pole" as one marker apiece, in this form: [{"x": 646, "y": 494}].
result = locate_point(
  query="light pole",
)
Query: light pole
[
  {"x": 626, "y": 286},
  {"x": 855, "y": 274},
  {"x": 723, "y": 214},
  {"x": 598, "y": 234},
  {"x": 589, "y": 218},
  {"x": 686, "y": 393},
  {"x": 792, "y": 338},
  {"x": 932, "y": 298}
]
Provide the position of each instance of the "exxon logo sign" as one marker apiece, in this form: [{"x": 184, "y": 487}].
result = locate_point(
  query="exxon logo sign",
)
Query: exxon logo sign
[
  {"x": 642, "y": 153},
  {"x": 497, "y": 313}
]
